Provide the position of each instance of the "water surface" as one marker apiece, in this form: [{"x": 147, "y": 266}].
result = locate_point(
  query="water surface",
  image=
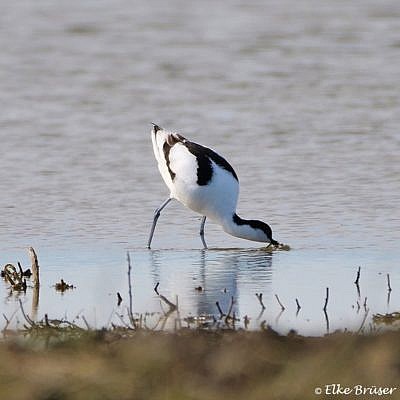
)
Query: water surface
[{"x": 301, "y": 97}]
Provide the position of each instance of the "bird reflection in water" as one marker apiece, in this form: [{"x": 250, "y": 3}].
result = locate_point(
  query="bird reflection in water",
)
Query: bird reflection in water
[{"x": 201, "y": 278}]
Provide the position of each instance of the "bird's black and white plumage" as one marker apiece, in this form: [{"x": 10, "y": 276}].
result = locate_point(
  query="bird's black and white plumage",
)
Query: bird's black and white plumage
[{"x": 205, "y": 182}]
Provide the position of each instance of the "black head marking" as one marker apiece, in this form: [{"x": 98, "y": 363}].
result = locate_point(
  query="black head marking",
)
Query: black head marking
[{"x": 256, "y": 224}]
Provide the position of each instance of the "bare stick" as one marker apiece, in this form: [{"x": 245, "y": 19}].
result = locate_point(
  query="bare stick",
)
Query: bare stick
[
  {"x": 86, "y": 323},
  {"x": 35, "y": 302},
  {"x": 326, "y": 299},
  {"x": 327, "y": 321},
  {"x": 156, "y": 288},
  {"x": 35, "y": 266},
  {"x": 365, "y": 303},
  {"x": 357, "y": 280},
  {"x": 282, "y": 306},
  {"x": 128, "y": 257},
  {"x": 298, "y": 307},
  {"x": 222, "y": 314},
  {"x": 363, "y": 321},
  {"x": 358, "y": 276},
  {"x": 20, "y": 269},
  {"x": 8, "y": 320},
  {"x": 122, "y": 320},
  {"x": 119, "y": 299},
  {"x": 230, "y": 310},
  {"x": 30, "y": 322},
  {"x": 388, "y": 283},
  {"x": 171, "y": 305},
  {"x": 259, "y": 297}
]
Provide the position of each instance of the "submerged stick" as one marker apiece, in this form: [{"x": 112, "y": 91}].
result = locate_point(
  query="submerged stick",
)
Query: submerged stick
[
  {"x": 282, "y": 306},
  {"x": 35, "y": 267}
]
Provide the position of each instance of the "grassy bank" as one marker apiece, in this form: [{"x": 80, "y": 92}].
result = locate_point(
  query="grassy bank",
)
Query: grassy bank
[{"x": 196, "y": 365}]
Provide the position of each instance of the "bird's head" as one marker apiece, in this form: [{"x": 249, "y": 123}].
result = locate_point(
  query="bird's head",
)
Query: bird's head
[
  {"x": 156, "y": 128},
  {"x": 268, "y": 233}
]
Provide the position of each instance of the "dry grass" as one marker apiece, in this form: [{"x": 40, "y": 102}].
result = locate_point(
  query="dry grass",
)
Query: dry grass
[{"x": 196, "y": 365}]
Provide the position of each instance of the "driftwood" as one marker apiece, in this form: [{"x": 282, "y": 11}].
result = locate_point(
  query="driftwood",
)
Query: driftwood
[{"x": 35, "y": 266}]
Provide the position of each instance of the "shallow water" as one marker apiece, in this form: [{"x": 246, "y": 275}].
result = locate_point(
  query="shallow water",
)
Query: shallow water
[{"x": 302, "y": 98}]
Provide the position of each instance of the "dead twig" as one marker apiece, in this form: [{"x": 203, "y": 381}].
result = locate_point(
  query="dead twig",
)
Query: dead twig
[
  {"x": 363, "y": 321},
  {"x": 35, "y": 266},
  {"x": 222, "y": 314},
  {"x": 358, "y": 276},
  {"x": 228, "y": 316},
  {"x": 156, "y": 288},
  {"x": 8, "y": 320},
  {"x": 388, "y": 283},
  {"x": 86, "y": 323},
  {"x": 172, "y": 306},
  {"x": 259, "y": 297},
  {"x": 298, "y": 307},
  {"x": 119, "y": 299},
  {"x": 324, "y": 309},
  {"x": 130, "y": 313},
  {"x": 282, "y": 306},
  {"x": 27, "y": 318},
  {"x": 356, "y": 282},
  {"x": 326, "y": 299}
]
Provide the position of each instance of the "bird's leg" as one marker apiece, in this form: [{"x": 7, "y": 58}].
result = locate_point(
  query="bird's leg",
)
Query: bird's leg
[
  {"x": 156, "y": 215},
  {"x": 203, "y": 221}
]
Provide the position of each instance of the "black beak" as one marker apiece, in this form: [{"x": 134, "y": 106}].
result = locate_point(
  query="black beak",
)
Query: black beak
[{"x": 274, "y": 242}]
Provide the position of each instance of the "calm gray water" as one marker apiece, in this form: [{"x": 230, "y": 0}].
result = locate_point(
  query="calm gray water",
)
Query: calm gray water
[{"x": 303, "y": 99}]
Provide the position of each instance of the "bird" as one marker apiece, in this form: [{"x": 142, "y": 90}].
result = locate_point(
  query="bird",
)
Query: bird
[{"x": 204, "y": 182}]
